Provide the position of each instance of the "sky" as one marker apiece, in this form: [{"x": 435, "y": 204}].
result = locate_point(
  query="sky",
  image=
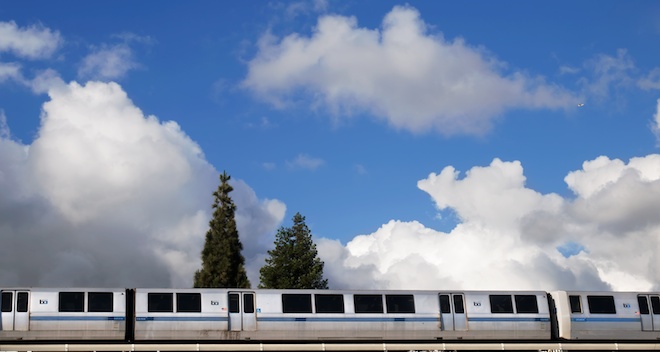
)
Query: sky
[{"x": 429, "y": 145}]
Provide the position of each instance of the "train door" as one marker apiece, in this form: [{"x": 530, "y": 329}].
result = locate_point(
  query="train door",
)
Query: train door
[
  {"x": 655, "y": 312},
  {"x": 452, "y": 310},
  {"x": 14, "y": 311},
  {"x": 242, "y": 315},
  {"x": 649, "y": 311}
]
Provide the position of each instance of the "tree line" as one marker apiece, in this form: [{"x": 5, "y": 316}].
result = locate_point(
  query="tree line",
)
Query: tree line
[{"x": 293, "y": 263}]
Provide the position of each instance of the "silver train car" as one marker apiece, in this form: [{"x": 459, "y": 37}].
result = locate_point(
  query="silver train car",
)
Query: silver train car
[
  {"x": 143, "y": 315},
  {"x": 63, "y": 314},
  {"x": 621, "y": 316},
  {"x": 267, "y": 315}
]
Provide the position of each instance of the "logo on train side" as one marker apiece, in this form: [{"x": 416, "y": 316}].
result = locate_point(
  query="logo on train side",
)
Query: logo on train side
[
  {"x": 477, "y": 304},
  {"x": 626, "y": 305},
  {"x": 43, "y": 301},
  {"x": 215, "y": 303}
]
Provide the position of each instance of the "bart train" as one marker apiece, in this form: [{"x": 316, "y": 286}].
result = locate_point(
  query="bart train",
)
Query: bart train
[{"x": 143, "y": 315}]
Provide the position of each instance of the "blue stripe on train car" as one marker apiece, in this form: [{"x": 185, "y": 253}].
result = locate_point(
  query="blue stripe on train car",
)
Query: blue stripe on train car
[
  {"x": 344, "y": 320},
  {"x": 181, "y": 319},
  {"x": 511, "y": 319},
  {"x": 606, "y": 320},
  {"x": 74, "y": 318}
]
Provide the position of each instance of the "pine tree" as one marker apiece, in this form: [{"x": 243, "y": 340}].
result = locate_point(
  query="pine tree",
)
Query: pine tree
[
  {"x": 223, "y": 264},
  {"x": 294, "y": 262}
]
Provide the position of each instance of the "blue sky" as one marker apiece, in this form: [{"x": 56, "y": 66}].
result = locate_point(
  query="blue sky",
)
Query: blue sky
[{"x": 379, "y": 121}]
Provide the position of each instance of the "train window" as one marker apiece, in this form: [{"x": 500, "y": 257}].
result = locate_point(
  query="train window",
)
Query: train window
[
  {"x": 655, "y": 303},
  {"x": 576, "y": 304},
  {"x": 329, "y": 303},
  {"x": 526, "y": 304},
  {"x": 643, "y": 305},
  {"x": 160, "y": 303},
  {"x": 233, "y": 303},
  {"x": 601, "y": 304},
  {"x": 99, "y": 302},
  {"x": 501, "y": 304},
  {"x": 72, "y": 302},
  {"x": 248, "y": 303},
  {"x": 368, "y": 303},
  {"x": 459, "y": 308},
  {"x": 297, "y": 303},
  {"x": 7, "y": 300},
  {"x": 400, "y": 303},
  {"x": 189, "y": 302},
  {"x": 22, "y": 302},
  {"x": 445, "y": 307}
]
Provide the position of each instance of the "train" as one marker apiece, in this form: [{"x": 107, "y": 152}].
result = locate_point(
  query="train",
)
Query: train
[{"x": 260, "y": 315}]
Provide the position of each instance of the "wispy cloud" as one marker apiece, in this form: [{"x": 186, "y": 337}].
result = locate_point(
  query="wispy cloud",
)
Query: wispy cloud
[
  {"x": 264, "y": 123},
  {"x": 112, "y": 61},
  {"x": 568, "y": 70},
  {"x": 10, "y": 70},
  {"x": 607, "y": 74},
  {"x": 32, "y": 42},
  {"x": 650, "y": 81},
  {"x": 304, "y": 161},
  {"x": 108, "y": 63},
  {"x": 43, "y": 80},
  {"x": 655, "y": 124},
  {"x": 296, "y": 8},
  {"x": 4, "y": 129}
]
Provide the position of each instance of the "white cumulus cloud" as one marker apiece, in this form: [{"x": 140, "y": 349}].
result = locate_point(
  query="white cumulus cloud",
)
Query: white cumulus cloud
[
  {"x": 510, "y": 236},
  {"x": 109, "y": 196},
  {"x": 401, "y": 73}
]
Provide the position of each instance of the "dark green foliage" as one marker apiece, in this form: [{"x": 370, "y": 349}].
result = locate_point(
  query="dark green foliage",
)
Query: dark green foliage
[
  {"x": 223, "y": 264},
  {"x": 293, "y": 263}
]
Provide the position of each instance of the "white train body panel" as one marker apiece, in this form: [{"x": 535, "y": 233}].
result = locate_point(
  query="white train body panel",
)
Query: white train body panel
[
  {"x": 346, "y": 315},
  {"x": 511, "y": 322},
  {"x": 273, "y": 323},
  {"x": 157, "y": 324},
  {"x": 607, "y": 315},
  {"x": 36, "y": 314}
]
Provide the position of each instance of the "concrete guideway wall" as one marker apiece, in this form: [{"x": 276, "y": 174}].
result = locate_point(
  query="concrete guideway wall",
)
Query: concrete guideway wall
[{"x": 322, "y": 347}]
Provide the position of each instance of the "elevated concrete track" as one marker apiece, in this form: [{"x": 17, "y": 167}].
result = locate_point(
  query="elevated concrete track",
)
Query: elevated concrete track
[{"x": 322, "y": 347}]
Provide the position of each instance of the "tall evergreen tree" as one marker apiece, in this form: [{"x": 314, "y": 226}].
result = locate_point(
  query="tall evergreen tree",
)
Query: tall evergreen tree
[
  {"x": 294, "y": 262},
  {"x": 223, "y": 264}
]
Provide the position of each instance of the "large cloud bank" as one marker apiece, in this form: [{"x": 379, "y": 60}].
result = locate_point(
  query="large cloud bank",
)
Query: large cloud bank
[
  {"x": 412, "y": 79},
  {"x": 510, "y": 236},
  {"x": 106, "y": 196}
]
